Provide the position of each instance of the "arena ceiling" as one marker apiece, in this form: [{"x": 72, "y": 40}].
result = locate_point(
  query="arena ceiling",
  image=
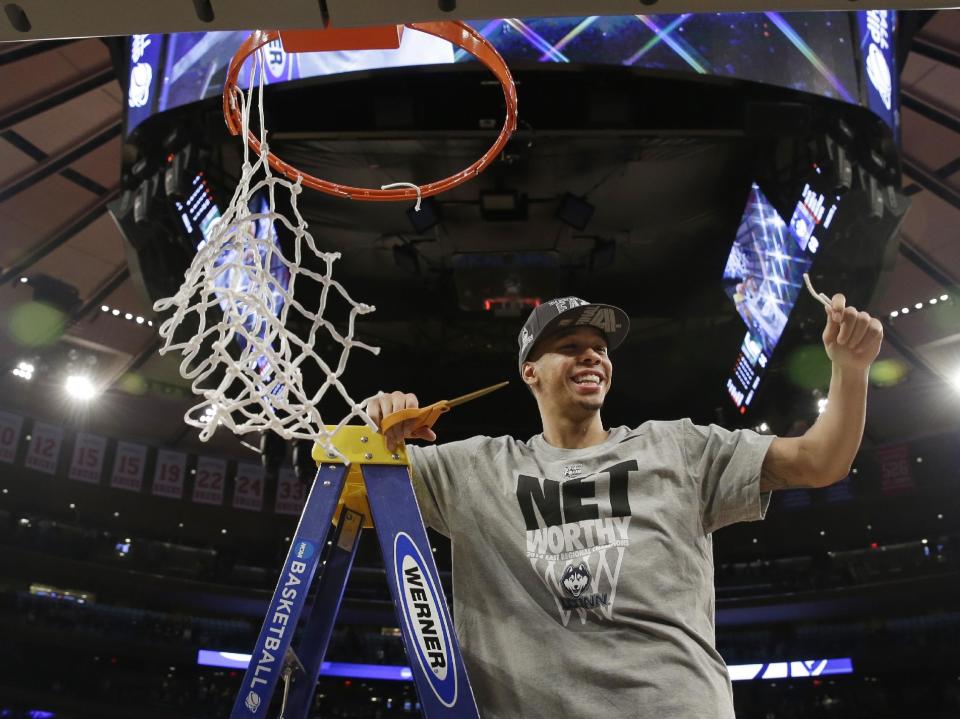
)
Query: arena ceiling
[{"x": 60, "y": 160}]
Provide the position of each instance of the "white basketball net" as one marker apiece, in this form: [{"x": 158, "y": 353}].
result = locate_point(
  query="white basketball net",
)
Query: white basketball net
[{"x": 261, "y": 386}]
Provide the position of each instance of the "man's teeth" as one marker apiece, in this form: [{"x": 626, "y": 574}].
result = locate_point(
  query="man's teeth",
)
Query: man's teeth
[{"x": 591, "y": 378}]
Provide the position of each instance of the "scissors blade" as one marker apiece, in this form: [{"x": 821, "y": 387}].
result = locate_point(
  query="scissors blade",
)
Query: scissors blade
[{"x": 473, "y": 395}]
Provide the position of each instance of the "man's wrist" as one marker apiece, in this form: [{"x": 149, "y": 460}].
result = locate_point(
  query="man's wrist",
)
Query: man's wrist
[{"x": 850, "y": 374}]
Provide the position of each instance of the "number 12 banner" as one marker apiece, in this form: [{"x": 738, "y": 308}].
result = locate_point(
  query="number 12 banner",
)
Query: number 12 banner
[
  {"x": 44, "y": 452},
  {"x": 208, "y": 487}
]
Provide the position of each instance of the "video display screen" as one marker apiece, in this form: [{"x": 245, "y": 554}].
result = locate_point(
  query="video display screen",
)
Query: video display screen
[
  {"x": 764, "y": 276},
  {"x": 812, "y": 52},
  {"x": 876, "y": 32}
]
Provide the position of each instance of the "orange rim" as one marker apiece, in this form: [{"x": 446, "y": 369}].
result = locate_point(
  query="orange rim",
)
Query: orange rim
[{"x": 455, "y": 32}]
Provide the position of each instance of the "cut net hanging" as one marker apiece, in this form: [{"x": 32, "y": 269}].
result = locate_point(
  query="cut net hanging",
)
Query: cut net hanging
[{"x": 248, "y": 368}]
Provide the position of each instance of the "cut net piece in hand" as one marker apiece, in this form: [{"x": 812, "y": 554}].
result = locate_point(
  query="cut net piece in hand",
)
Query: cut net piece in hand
[{"x": 247, "y": 367}]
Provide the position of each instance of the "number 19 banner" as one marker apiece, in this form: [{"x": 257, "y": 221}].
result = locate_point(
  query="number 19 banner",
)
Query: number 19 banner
[{"x": 168, "y": 477}]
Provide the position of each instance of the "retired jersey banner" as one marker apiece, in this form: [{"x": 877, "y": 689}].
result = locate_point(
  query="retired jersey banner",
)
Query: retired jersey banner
[
  {"x": 43, "y": 454},
  {"x": 895, "y": 476},
  {"x": 10, "y": 426},
  {"x": 128, "y": 466},
  {"x": 248, "y": 487},
  {"x": 211, "y": 476},
  {"x": 168, "y": 476},
  {"x": 87, "y": 462},
  {"x": 291, "y": 493}
]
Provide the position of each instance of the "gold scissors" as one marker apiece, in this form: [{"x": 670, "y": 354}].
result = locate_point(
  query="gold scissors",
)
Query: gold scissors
[{"x": 426, "y": 416}]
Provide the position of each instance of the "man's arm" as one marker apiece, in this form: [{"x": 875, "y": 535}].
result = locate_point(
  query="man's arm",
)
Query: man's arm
[{"x": 825, "y": 453}]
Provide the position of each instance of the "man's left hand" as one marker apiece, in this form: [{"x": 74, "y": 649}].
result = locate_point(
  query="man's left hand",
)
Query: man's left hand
[{"x": 851, "y": 338}]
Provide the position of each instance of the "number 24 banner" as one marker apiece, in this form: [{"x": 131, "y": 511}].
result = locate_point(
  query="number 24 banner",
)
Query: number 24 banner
[{"x": 248, "y": 487}]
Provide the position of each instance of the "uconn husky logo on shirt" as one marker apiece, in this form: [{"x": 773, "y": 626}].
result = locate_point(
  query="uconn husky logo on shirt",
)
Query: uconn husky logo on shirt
[{"x": 577, "y": 532}]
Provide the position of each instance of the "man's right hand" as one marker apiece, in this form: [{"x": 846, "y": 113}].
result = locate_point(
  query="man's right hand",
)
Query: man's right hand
[{"x": 388, "y": 403}]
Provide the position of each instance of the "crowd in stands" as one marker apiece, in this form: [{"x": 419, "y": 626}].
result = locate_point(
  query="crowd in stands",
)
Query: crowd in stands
[
  {"x": 209, "y": 694},
  {"x": 904, "y": 663},
  {"x": 827, "y": 569}
]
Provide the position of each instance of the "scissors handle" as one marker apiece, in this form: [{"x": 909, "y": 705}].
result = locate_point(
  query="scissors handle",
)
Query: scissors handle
[{"x": 422, "y": 416}]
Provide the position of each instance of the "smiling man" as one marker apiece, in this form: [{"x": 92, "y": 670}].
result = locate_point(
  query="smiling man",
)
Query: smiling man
[{"x": 583, "y": 558}]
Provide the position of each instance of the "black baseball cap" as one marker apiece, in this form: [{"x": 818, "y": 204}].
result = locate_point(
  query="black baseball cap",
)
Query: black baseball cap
[{"x": 564, "y": 312}]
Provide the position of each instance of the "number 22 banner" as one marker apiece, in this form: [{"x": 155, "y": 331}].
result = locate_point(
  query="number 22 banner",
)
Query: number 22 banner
[{"x": 208, "y": 487}]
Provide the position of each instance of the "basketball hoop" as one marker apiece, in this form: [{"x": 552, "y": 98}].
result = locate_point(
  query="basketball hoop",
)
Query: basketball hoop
[
  {"x": 455, "y": 32},
  {"x": 247, "y": 366}
]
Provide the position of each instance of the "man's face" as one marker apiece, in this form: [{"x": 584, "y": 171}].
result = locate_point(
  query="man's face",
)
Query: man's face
[{"x": 571, "y": 369}]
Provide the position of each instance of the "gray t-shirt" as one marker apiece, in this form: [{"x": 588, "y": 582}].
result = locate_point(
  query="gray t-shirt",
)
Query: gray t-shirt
[{"x": 583, "y": 579}]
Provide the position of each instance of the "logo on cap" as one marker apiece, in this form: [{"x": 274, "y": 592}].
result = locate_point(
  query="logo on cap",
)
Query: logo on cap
[
  {"x": 526, "y": 337},
  {"x": 565, "y": 303}
]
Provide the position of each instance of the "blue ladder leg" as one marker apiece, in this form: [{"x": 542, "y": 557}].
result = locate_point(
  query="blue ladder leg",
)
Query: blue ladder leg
[
  {"x": 316, "y": 635},
  {"x": 266, "y": 663},
  {"x": 432, "y": 646}
]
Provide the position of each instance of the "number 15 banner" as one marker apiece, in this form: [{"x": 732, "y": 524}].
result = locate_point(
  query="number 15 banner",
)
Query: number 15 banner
[
  {"x": 128, "y": 466},
  {"x": 87, "y": 463}
]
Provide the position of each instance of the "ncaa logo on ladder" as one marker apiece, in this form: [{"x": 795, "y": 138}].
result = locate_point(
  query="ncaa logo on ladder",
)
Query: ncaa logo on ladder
[{"x": 420, "y": 603}]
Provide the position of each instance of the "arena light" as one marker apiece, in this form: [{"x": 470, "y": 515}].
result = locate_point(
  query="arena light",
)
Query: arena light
[
  {"x": 80, "y": 387},
  {"x": 955, "y": 379},
  {"x": 24, "y": 370},
  {"x": 918, "y": 306},
  {"x": 821, "y": 405},
  {"x": 738, "y": 672}
]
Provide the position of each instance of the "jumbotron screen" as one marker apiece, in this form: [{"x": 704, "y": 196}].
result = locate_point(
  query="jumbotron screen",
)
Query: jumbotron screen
[
  {"x": 821, "y": 53},
  {"x": 764, "y": 276}
]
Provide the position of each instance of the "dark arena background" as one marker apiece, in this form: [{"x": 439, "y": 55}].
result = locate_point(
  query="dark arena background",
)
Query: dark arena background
[{"x": 686, "y": 167}]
